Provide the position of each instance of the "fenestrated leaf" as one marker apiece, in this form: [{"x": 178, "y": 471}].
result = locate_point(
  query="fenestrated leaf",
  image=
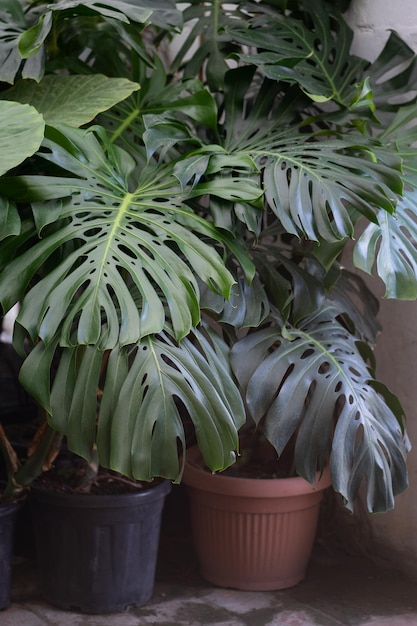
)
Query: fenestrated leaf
[
  {"x": 247, "y": 307},
  {"x": 208, "y": 23},
  {"x": 311, "y": 181},
  {"x": 393, "y": 75},
  {"x": 146, "y": 419},
  {"x": 115, "y": 9},
  {"x": 13, "y": 23},
  {"x": 21, "y": 133},
  {"x": 287, "y": 50},
  {"x": 390, "y": 248},
  {"x": 309, "y": 379},
  {"x": 312, "y": 186},
  {"x": 134, "y": 255},
  {"x": 72, "y": 100},
  {"x": 147, "y": 389}
]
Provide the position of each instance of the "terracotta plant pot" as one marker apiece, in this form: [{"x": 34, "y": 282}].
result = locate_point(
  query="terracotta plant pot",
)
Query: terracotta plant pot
[{"x": 249, "y": 533}]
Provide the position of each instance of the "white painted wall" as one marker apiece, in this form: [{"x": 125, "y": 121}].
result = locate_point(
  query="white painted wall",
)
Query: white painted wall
[
  {"x": 396, "y": 352},
  {"x": 373, "y": 19}
]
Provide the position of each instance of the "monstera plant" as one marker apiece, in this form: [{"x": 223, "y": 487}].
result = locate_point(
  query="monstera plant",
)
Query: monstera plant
[{"x": 176, "y": 239}]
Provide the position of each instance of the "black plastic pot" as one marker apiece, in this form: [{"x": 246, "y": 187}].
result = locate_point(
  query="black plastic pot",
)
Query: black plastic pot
[
  {"x": 97, "y": 553},
  {"x": 7, "y": 527}
]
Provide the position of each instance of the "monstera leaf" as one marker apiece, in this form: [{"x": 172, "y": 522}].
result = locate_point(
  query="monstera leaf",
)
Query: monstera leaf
[
  {"x": 25, "y": 30},
  {"x": 286, "y": 49},
  {"x": 114, "y": 251},
  {"x": 389, "y": 245},
  {"x": 311, "y": 182},
  {"x": 148, "y": 389},
  {"x": 208, "y": 22},
  {"x": 313, "y": 381}
]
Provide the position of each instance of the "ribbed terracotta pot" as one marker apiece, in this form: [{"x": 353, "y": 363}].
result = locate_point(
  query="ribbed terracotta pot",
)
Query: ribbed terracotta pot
[{"x": 249, "y": 533}]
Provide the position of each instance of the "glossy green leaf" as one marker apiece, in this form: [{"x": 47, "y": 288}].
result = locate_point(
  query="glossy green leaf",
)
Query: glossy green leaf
[
  {"x": 31, "y": 41},
  {"x": 132, "y": 253},
  {"x": 287, "y": 50},
  {"x": 312, "y": 187},
  {"x": 390, "y": 248},
  {"x": 323, "y": 380},
  {"x": 393, "y": 76},
  {"x": 140, "y": 424},
  {"x": 21, "y": 133},
  {"x": 72, "y": 100},
  {"x": 9, "y": 219},
  {"x": 311, "y": 182}
]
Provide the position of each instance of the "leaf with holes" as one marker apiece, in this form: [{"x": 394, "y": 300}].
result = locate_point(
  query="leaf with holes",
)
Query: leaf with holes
[
  {"x": 148, "y": 388},
  {"x": 311, "y": 182},
  {"x": 123, "y": 260},
  {"x": 313, "y": 382},
  {"x": 391, "y": 247},
  {"x": 287, "y": 49}
]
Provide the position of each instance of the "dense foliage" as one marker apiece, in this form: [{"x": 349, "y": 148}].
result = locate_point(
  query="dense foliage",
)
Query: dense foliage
[{"x": 180, "y": 182}]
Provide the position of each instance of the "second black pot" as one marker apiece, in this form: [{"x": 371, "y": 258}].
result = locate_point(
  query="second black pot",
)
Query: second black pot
[
  {"x": 97, "y": 554},
  {"x": 7, "y": 526}
]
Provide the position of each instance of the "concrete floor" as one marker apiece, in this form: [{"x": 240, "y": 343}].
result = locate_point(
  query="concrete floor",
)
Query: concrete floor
[{"x": 343, "y": 586}]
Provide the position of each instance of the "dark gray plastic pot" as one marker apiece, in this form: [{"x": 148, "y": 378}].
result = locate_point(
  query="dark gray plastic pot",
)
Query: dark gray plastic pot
[
  {"x": 7, "y": 526},
  {"x": 97, "y": 553}
]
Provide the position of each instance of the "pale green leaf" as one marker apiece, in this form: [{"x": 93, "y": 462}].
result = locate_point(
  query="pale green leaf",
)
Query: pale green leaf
[
  {"x": 21, "y": 133},
  {"x": 72, "y": 100},
  {"x": 390, "y": 248},
  {"x": 307, "y": 380}
]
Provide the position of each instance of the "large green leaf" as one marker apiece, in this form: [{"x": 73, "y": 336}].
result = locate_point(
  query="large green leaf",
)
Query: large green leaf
[
  {"x": 13, "y": 22},
  {"x": 312, "y": 187},
  {"x": 72, "y": 100},
  {"x": 286, "y": 49},
  {"x": 390, "y": 247},
  {"x": 393, "y": 75},
  {"x": 21, "y": 133},
  {"x": 32, "y": 40},
  {"x": 312, "y": 182},
  {"x": 148, "y": 390},
  {"x": 207, "y": 24},
  {"x": 125, "y": 248},
  {"x": 27, "y": 32},
  {"x": 313, "y": 381}
]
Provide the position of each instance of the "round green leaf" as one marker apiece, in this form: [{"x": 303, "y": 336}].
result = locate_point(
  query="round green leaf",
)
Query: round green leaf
[
  {"x": 72, "y": 100},
  {"x": 21, "y": 133}
]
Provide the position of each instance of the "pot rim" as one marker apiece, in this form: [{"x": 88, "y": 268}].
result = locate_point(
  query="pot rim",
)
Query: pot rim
[
  {"x": 96, "y": 501},
  {"x": 197, "y": 477}
]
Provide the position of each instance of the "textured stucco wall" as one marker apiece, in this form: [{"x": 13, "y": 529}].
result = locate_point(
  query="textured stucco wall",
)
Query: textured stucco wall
[
  {"x": 373, "y": 19},
  {"x": 397, "y": 347}
]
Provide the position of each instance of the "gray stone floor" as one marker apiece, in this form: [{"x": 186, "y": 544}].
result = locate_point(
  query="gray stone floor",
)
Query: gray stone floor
[{"x": 341, "y": 588}]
